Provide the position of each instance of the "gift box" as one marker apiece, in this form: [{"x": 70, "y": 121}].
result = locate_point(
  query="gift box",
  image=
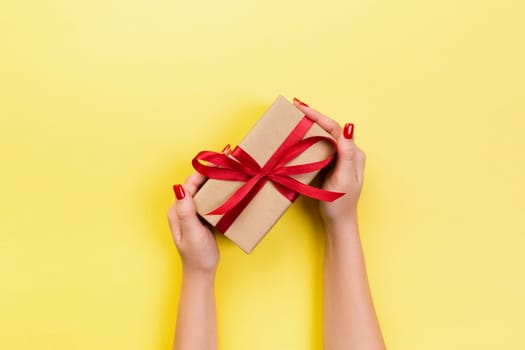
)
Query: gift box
[{"x": 250, "y": 187}]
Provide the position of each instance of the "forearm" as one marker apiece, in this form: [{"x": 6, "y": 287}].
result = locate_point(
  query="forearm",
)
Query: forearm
[
  {"x": 197, "y": 317},
  {"x": 350, "y": 322}
]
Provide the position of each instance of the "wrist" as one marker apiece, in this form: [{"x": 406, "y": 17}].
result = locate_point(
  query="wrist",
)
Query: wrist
[
  {"x": 342, "y": 222},
  {"x": 198, "y": 283},
  {"x": 341, "y": 229},
  {"x": 191, "y": 273}
]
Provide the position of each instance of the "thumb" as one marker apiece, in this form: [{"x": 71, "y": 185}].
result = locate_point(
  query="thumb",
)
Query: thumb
[
  {"x": 346, "y": 152},
  {"x": 185, "y": 208}
]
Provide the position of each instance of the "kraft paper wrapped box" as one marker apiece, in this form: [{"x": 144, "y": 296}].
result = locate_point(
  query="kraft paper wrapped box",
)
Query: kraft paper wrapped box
[{"x": 262, "y": 200}]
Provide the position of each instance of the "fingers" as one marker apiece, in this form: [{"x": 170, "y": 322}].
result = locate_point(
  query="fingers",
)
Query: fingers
[
  {"x": 350, "y": 159},
  {"x": 185, "y": 209},
  {"x": 346, "y": 157},
  {"x": 193, "y": 182},
  {"x": 182, "y": 214},
  {"x": 330, "y": 125}
]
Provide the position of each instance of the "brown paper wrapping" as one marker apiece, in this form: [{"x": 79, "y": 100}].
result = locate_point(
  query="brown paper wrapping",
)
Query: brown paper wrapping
[{"x": 268, "y": 205}]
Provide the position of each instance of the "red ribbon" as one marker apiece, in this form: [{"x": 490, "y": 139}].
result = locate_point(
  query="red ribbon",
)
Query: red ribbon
[{"x": 240, "y": 166}]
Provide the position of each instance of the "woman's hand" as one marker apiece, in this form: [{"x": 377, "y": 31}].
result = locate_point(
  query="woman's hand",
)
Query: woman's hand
[
  {"x": 195, "y": 242},
  {"x": 349, "y": 318},
  {"x": 347, "y": 174},
  {"x": 197, "y": 317}
]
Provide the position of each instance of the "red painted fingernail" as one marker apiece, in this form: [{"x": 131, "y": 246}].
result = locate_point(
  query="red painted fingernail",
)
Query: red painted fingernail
[
  {"x": 348, "y": 131},
  {"x": 179, "y": 191},
  {"x": 226, "y": 150},
  {"x": 296, "y": 100}
]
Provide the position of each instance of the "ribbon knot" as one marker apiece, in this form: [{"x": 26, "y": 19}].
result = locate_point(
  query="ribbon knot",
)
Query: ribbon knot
[{"x": 240, "y": 166}]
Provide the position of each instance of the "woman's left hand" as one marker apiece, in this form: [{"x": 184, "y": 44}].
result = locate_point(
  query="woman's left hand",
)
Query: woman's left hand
[{"x": 195, "y": 242}]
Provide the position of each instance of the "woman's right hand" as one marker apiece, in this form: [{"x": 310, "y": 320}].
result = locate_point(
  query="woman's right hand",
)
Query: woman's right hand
[
  {"x": 347, "y": 174},
  {"x": 349, "y": 319}
]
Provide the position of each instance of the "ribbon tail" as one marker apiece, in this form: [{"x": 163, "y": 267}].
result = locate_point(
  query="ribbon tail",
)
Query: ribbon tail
[
  {"x": 309, "y": 191},
  {"x": 288, "y": 193},
  {"x": 302, "y": 168}
]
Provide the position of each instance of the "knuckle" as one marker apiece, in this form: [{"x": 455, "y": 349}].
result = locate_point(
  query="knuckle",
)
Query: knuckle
[
  {"x": 350, "y": 153},
  {"x": 184, "y": 212}
]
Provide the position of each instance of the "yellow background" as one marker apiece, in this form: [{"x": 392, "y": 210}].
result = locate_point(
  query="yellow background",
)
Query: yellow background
[{"x": 103, "y": 104}]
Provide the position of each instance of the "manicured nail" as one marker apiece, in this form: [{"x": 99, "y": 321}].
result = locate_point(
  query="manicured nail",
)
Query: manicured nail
[
  {"x": 179, "y": 191},
  {"x": 348, "y": 131},
  {"x": 296, "y": 100},
  {"x": 226, "y": 150}
]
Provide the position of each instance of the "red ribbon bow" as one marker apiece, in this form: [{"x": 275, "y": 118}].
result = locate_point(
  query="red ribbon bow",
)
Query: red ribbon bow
[{"x": 240, "y": 166}]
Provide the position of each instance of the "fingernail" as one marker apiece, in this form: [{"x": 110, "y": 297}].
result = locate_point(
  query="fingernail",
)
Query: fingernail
[
  {"x": 296, "y": 100},
  {"x": 179, "y": 191},
  {"x": 226, "y": 150},
  {"x": 348, "y": 131}
]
